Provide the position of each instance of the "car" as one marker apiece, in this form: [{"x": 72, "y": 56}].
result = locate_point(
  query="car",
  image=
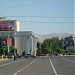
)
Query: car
[{"x": 29, "y": 55}]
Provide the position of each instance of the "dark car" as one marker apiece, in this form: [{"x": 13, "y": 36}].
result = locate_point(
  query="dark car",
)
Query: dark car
[{"x": 29, "y": 55}]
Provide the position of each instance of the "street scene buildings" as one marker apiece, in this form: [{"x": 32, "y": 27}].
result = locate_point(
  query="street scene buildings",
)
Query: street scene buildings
[{"x": 11, "y": 36}]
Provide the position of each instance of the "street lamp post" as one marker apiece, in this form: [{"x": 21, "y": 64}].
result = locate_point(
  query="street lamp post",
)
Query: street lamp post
[
  {"x": 8, "y": 38},
  {"x": 8, "y": 42}
]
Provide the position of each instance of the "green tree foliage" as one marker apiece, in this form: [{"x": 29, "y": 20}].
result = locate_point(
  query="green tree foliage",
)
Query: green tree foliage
[
  {"x": 12, "y": 50},
  {"x": 63, "y": 51},
  {"x": 46, "y": 50},
  {"x": 1, "y": 51},
  {"x": 52, "y": 45},
  {"x": 70, "y": 38},
  {"x": 4, "y": 51}
]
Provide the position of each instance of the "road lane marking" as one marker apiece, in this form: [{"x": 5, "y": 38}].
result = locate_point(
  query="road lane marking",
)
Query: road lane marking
[
  {"x": 68, "y": 60},
  {"x": 24, "y": 67},
  {"x": 55, "y": 72},
  {"x": 9, "y": 63}
]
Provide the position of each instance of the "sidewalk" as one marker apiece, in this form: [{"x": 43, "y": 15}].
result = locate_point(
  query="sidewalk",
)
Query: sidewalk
[{"x": 4, "y": 59}]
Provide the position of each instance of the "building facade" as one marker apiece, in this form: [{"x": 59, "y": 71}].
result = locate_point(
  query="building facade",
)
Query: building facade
[
  {"x": 7, "y": 32},
  {"x": 11, "y": 36},
  {"x": 26, "y": 41}
]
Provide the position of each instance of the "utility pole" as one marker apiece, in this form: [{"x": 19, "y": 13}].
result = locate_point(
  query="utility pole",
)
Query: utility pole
[{"x": 8, "y": 40}]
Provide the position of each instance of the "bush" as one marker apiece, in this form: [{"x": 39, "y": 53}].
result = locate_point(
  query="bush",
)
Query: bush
[
  {"x": 1, "y": 51},
  {"x": 62, "y": 51},
  {"x": 46, "y": 50},
  {"x": 56, "y": 54}
]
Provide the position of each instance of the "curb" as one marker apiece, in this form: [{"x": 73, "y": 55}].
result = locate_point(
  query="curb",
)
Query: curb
[{"x": 3, "y": 59}]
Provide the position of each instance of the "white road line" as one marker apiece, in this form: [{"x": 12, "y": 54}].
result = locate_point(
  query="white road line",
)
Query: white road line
[
  {"x": 24, "y": 67},
  {"x": 55, "y": 72},
  {"x": 68, "y": 60},
  {"x": 9, "y": 63}
]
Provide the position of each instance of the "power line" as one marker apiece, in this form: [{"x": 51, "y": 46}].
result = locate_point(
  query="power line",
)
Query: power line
[
  {"x": 40, "y": 16},
  {"x": 45, "y": 22}
]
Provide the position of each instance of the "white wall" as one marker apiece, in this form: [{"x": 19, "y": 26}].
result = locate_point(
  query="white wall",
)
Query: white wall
[
  {"x": 25, "y": 42},
  {"x": 17, "y": 25}
]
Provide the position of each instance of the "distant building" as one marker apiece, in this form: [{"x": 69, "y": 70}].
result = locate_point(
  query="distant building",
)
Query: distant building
[
  {"x": 74, "y": 40},
  {"x": 21, "y": 40},
  {"x": 69, "y": 44},
  {"x": 26, "y": 41},
  {"x": 7, "y": 32}
]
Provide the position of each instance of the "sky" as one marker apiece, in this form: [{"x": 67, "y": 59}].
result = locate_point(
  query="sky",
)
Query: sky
[{"x": 41, "y": 16}]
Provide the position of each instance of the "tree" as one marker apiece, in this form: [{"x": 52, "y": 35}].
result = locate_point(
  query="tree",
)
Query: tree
[
  {"x": 62, "y": 51},
  {"x": 0, "y": 43},
  {"x": 46, "y": 51},
  {"x": 61, "y": 46},
  {"x": 13, "y": 50},
  {"x": 5, "y": 51},
  {"x": 53, "y": 45},
  {"x": 1, "y": 51}
]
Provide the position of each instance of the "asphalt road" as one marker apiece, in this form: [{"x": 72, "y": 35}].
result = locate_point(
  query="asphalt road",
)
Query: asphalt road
[{"x": 54, "y": 65}]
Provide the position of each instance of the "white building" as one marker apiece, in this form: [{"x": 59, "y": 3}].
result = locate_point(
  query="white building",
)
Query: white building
[
  {"x": 23, "y": 40},
  {"x": 26, "y": 41}
]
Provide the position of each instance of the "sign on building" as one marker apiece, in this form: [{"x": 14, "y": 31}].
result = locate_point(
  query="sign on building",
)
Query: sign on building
[{"x": 7, "y": 25}]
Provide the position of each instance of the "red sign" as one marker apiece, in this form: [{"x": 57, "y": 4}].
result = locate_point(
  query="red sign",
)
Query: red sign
[
  {"x": 7, "y": 42},
  {"x": 7, "y": 25},
  {"x": 10, "y": 42}
]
